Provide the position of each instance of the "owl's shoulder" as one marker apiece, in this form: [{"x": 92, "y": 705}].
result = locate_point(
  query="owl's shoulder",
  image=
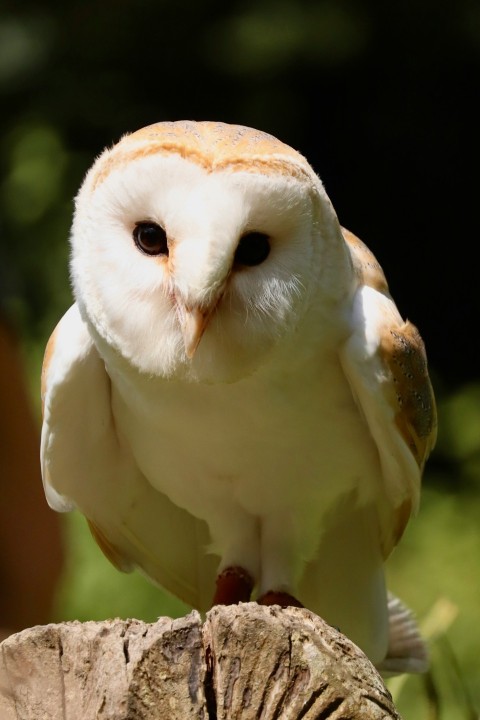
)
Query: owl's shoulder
[
  {"x": 69, "y": 343},
  {"x": 366, "y": 266}
]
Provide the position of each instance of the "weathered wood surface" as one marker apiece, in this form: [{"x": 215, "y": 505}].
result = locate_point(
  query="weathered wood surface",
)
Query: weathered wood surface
[{"x": 245, "y": 661}]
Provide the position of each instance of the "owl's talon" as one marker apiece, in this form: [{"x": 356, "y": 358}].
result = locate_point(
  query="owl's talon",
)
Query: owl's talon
[
  {"x": 283, "y": 599},
  {"x": 234, "y": 585}
]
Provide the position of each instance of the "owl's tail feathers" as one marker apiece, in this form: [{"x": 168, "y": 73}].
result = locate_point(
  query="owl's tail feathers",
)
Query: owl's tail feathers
[{"x": 407, "y": 651}]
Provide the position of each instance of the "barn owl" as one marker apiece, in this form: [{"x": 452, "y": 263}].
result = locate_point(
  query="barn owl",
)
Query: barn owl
[{"x": 234, "y": 401}]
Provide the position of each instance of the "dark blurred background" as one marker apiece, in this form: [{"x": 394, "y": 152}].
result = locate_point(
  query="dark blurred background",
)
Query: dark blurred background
[{"x": 381, "y": 97}]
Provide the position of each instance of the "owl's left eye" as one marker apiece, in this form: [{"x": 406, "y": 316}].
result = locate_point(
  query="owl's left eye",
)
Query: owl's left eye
[
  {"x": 150, "y": 238},
  {"x": 253, "y": 249}
]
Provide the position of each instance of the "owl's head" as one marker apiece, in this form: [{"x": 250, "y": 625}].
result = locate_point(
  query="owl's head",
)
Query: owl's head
[{"x": 197, "y": 247}]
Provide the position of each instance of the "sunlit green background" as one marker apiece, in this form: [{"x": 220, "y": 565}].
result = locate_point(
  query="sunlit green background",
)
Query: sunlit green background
[{"x": 382, "y": 98}]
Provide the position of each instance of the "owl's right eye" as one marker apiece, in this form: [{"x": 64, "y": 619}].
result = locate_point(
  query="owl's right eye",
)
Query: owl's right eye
[{"x": 150, "y": 238}]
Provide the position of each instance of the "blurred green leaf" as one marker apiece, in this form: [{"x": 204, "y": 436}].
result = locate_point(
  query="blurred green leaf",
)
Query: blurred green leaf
[
  {"x": 459, "y": 427},
  {"x": 33, "y": 184},
  {"x": 24, "y": 46},
  {"x": 271, "y": 35}
]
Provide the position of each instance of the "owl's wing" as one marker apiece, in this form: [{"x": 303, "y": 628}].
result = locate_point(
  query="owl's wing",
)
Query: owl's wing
[
  {"x": 86, "y": 465},
  {"x": 73, "y": 388},
  {"x": 385, "y": 363}
]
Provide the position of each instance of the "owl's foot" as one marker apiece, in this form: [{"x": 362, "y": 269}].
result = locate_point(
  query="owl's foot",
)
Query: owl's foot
[
  {"x": 234, "y": 585},
  {"x": 279, "y": 598}
]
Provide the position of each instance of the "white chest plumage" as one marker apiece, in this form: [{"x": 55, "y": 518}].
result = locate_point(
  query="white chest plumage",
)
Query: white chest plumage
[{"x": 273, "y": 442}]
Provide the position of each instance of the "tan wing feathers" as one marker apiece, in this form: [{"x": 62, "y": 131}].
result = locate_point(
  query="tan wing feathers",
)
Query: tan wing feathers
[
  {"x": 366, "y": 266},
  {"x": 403, "y": 352}
]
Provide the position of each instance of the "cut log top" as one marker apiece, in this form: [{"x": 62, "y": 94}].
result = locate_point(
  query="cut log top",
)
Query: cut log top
[{"x": 245, "y": 661}]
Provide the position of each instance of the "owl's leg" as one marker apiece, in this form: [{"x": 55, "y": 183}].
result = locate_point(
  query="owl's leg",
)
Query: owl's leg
[
  {"x": 238, "y": 544},
  {"x": 283, "y": 544}
]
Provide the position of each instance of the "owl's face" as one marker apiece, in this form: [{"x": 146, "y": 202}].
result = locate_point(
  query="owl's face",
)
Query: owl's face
[{"x": 193, "y": 257}]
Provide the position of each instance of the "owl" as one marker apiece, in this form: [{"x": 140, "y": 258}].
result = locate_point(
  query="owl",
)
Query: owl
[{"x": 234, "y": 402}]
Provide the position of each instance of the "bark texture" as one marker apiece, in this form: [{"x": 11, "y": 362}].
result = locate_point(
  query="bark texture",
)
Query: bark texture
[{"x": 245, "y": 661}]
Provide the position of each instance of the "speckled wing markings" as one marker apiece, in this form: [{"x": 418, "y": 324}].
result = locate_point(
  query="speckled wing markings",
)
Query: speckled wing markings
[
  {"x": 213, "y": 146},
  {"x": 386, "y": 365},
  {"x": 403, "y": 352}
]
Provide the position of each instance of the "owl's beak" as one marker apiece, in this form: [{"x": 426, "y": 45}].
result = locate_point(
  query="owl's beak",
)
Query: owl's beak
[
  {"x": 195, "y": 321},
  {"x": 194, "y": 318}
]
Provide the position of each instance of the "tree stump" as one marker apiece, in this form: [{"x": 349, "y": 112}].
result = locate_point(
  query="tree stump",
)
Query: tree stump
[{"x": 245, "y": 661}]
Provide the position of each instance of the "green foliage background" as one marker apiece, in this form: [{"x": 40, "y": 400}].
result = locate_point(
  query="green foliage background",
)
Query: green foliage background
[{"x": 381, "y": 98}]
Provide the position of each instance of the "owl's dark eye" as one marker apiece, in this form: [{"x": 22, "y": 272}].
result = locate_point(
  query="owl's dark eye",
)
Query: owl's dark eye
[
  {"x": 253, "y": 249},
  {"x": 150, "y": 238}
]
